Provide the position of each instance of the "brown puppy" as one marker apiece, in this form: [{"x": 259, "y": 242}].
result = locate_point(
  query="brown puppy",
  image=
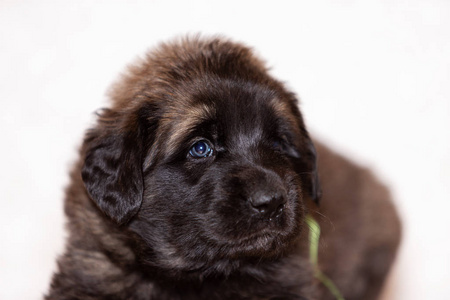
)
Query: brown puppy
[{"x": 196, "y": 182}]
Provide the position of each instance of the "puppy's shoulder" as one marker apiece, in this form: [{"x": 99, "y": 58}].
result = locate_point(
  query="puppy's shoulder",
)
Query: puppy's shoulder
[{"x": 360, "y": 226}]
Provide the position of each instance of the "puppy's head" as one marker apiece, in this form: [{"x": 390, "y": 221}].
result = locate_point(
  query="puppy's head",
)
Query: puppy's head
[{"x": 204, "y": 157}]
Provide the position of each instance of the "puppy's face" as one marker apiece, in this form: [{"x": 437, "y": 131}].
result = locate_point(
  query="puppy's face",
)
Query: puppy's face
[{"x": 208, "y": 175}]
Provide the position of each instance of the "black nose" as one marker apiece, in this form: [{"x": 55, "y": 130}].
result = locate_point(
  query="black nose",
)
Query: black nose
[{"x": 268, "y": 205}]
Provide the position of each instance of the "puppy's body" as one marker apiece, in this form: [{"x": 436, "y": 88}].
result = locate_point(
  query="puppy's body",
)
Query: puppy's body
[{"x": 196, "y": 183}]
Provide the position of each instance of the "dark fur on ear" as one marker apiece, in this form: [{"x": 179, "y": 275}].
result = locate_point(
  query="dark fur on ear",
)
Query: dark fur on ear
[
  {"x": 112, "y": 171},
  {"x": 313, "y": 181},
  {"x": 307, "y": 166}
]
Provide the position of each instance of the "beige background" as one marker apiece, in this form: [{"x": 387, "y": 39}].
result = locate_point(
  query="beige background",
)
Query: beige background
[{"x": 373, "y": 77}]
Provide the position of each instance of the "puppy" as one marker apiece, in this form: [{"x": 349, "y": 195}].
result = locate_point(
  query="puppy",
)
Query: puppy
[{"x": 196, "y": 182}]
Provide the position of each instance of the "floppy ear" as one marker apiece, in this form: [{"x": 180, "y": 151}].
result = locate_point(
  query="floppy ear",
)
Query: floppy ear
[
  {"x": 307, "y": 161},
  {"x": 311, "y": 178},
  {"x": 112, "y": 171}
]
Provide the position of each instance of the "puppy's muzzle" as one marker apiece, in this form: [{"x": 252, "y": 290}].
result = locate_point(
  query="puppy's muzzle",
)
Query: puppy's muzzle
[{"x": 263, "y": 192}]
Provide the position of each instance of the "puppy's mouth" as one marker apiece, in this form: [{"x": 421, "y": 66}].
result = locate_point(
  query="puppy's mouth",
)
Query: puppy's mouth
[
  {"x": 264, "y": 244},
  {"x": 259, "y": 234}
]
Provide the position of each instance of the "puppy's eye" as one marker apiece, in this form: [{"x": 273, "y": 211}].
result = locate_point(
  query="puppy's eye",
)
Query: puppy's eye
[
  {"x": 277, "y": 146},
  {"x": 200, "y": 149},
  {"x": 284, "y": 147}
]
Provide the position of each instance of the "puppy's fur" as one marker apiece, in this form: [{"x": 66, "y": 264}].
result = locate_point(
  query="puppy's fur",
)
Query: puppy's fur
[{"x": 149, "y": 218}]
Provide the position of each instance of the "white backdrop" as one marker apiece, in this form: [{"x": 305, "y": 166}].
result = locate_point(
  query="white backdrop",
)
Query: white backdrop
[{"x": 373, "y": 78}]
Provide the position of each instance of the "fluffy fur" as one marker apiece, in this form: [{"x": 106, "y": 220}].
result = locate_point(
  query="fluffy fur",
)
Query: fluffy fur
[{"x": 150, "y": 220}]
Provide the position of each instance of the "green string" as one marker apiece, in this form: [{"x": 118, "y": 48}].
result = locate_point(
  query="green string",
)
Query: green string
[{"x": 314, "y": 235}]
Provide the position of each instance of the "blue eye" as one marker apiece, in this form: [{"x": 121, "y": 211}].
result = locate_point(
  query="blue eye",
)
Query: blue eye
[{"x": 200, "y": 149}]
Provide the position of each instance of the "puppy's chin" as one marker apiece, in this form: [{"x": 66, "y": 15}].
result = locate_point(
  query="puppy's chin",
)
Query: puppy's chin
[
  {"x": 267, "y": 244},
  {"x": 273, "y": 239},
  {"x": 206, "y": 252},
  {"x": 252, "y": 250},
  {"x": 262, "y": 237}
]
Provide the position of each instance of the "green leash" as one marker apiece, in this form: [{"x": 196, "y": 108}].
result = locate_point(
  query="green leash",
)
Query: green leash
[{"x": 314, "y": 235}]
